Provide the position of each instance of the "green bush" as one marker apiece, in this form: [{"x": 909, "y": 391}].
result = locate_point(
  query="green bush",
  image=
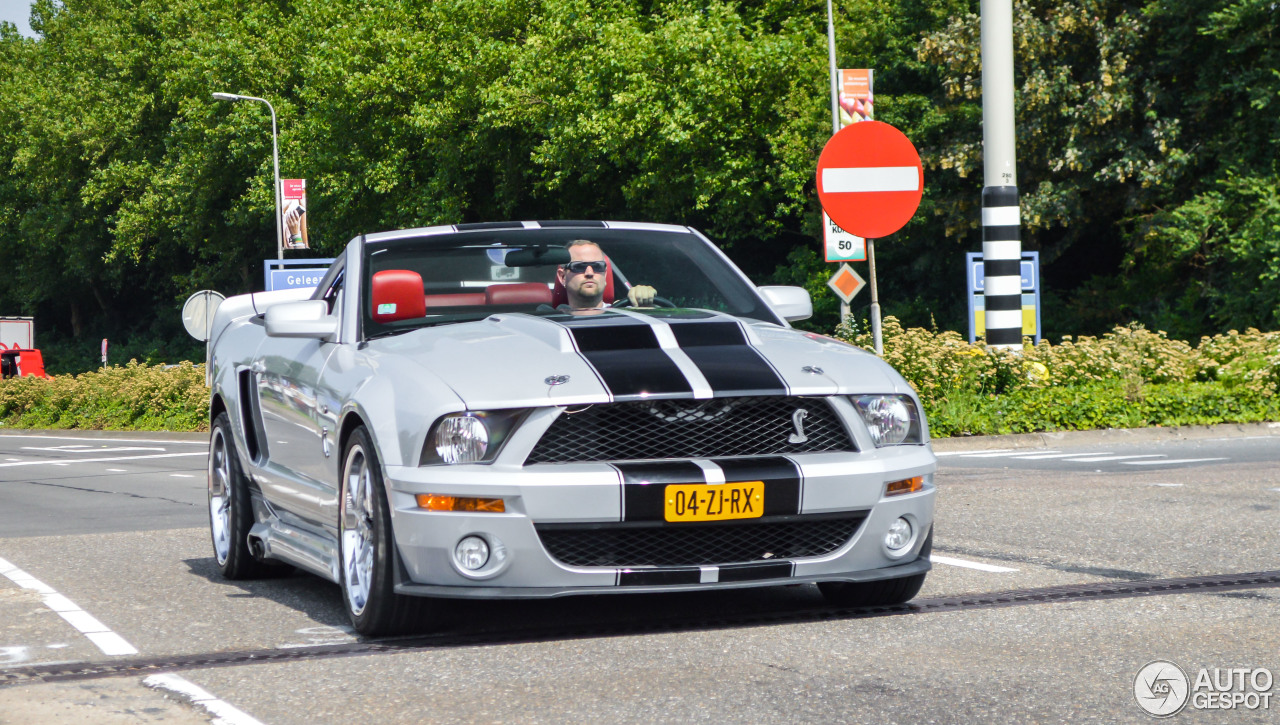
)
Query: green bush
[
  {"x": 130, "y": 397},
  {"x": 1128, "y": 378}
]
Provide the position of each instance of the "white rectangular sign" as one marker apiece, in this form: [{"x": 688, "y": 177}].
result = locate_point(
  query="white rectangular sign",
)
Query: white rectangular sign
[
  {"x": 842, "y": 246},
  {"x": 15, "y": 333}
]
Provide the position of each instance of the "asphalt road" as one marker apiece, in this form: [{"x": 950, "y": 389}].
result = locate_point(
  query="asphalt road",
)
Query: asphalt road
[{"x": 129, "y": 550}]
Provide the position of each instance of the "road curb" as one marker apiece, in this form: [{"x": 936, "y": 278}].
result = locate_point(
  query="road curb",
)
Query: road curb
[{"x": 1109, "y": 436}]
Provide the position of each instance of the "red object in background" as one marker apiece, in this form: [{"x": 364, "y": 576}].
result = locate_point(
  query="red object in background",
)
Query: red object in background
[
  {"x": 870, "y": 179},
  {"x": 22, "y": 363}
]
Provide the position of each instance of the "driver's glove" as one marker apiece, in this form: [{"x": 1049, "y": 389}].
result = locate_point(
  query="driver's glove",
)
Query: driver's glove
[{"x": 641, "y": 295}]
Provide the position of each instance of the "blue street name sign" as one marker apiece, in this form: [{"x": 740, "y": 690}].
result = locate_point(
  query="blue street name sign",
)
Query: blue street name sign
[{"x": 281, "y": 274}]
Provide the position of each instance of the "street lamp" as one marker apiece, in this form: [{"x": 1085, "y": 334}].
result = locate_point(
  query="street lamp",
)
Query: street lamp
[{"x": 275, "y": 159}]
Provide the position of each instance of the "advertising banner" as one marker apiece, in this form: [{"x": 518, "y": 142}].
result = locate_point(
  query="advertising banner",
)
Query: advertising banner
[
  {"x": 855, "y": 105},
  {"x": 293, "y": 209}
]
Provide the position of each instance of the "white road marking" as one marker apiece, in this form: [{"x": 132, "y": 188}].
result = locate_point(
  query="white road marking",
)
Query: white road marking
[
  {"x": 113, "y": 644},
  {"x": 1167, "y": 485},
  {"x": 870, "y": 178},
  {"x": 109, "y": 642},
  {"x": 1171, "y": 460},
  {"x": 103, "y": 460},
  {"x": 995, "y": 454},
  {"x": 90, "y": 449},
  {"x": 222, "y": 711},
  {"x": 181, "y": 475},
  {"x": 1039, "y": 456},
  {"x": 970, "y": 453},
  {"x": 115, "y": 470},
  {"x": 1095, "y": 459},
  {"x": 110, "y": 440},
  {"x": 970, "y": 564}
]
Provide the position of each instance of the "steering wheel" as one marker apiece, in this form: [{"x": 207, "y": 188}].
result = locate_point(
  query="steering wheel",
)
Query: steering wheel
[{"x": 657, "y": 302}]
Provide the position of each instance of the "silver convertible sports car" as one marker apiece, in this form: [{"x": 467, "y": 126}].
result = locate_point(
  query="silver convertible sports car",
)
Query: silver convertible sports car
[{"x": 540, "y": 409}]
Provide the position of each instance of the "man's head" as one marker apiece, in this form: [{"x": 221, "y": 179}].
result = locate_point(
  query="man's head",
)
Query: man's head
[{"x": 583, "y": 277}]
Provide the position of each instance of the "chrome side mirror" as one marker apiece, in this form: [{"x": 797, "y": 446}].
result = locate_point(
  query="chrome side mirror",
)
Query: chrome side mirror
[
  {"x": 307, "y": 318},
  {"x": 791, "y": 303}
]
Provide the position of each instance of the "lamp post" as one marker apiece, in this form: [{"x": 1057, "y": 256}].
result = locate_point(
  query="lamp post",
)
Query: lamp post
[{"x": 275, "y": 159}]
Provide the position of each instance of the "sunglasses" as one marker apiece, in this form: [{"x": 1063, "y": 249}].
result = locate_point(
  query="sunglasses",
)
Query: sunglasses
[{"x": 580, "y": 267}]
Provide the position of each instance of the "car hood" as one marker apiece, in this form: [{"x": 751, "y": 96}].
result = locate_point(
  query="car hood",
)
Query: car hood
[{"x": 518, "y": 360}]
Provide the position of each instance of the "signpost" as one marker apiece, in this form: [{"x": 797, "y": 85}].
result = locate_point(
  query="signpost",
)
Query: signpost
[
  {"x": 870, "y": 182},
  {"x": 1029, "y": 280}
]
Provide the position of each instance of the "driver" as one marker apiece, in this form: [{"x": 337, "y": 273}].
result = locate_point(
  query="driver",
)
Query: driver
[{"x": 583, "y": 279}]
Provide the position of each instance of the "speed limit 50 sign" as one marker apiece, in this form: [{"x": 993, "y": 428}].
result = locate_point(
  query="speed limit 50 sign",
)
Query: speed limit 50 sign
[{"x": 842, "y": 246}]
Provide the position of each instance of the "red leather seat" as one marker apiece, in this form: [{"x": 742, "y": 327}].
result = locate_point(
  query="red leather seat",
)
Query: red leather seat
[
  {"x": 560, "y": 296},
  {"x": 397, "y": 295},
  {"x": 456, "y": 299},
  {"x": 518, "y": 293}
]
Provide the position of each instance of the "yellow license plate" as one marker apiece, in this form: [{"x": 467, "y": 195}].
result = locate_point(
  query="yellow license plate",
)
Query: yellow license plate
[{"x": 714, "y": 502}]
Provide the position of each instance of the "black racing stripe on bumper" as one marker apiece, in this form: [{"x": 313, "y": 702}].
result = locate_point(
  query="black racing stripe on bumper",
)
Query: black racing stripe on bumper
[
  {"x": 657, "y": 577},
  {"x": 644, "y": 486},
  {"x": 781, "y": 478},
  {"x": 753, "y": 572},
  {"x": 725, "y": 358}
]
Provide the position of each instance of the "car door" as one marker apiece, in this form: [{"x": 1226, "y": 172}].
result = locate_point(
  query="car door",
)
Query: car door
[{"x": 297, "y": 420}]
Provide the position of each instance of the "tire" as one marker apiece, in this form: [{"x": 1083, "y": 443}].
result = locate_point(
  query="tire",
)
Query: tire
[
  {"x": 367, "y": 548},
  {"x": 877, "y": 593},
  {"x": 230, "y": 508}
]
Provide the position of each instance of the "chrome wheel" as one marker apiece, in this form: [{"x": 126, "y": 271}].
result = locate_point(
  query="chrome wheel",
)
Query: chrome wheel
[
  {"x": 358, "y": 543},
  {"x": 220, "y": 495}
]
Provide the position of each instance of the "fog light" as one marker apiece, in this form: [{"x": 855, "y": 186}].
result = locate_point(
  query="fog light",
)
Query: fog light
[
  {"x": 899, "y": 535},
  {"x": 472, "y": 553}
]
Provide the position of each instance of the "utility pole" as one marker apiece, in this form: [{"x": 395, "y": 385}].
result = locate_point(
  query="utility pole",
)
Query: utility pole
[{"x": 1001, "y": 222}]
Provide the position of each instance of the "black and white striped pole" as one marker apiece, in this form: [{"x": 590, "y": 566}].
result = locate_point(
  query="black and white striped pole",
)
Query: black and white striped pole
[{"x": 1001, "y": 223}]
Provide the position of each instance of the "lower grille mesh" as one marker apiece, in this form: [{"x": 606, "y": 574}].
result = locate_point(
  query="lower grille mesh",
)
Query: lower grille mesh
[{"x": 707, "y": 544}]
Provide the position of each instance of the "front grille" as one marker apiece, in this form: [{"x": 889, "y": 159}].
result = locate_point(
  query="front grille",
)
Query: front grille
[
  {"x": 706, "y": 544},
  {"x": 720, "y": 427}
]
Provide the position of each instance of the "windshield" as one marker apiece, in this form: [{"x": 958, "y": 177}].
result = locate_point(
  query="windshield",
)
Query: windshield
[{"x": 470, "y": 275}]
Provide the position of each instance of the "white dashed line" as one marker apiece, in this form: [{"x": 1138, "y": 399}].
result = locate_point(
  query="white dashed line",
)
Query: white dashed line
[
  {"x": 113, "y": 644},
  {"x": 224, "y": 712},
  {"x": 115, "y": 470},
  {"x": 970, "y": 564},
  {"x": 108, "y": 440},
  {"x": 1039, "y": 456},
  {"x": 970, "y": 453},
  {"x": 995, "y": 454},
  {"x": 103, "y": 460},
  {"x": 1167, "y": 485},
  {"x": 1096, "y": 459},
  {"x": 1171, "y": 460},
  {"x": 181, "y": 475}
]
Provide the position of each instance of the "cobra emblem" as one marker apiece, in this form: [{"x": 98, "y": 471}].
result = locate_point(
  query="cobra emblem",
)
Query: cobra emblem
[{"x": 797, "y": 419}]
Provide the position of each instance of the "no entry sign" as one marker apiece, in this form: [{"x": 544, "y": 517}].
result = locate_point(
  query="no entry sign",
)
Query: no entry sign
[{"x": 870, "y": 179}]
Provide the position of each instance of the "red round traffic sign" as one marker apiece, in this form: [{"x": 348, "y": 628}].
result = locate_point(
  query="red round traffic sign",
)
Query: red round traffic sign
[{"x": 870, "y": 179}]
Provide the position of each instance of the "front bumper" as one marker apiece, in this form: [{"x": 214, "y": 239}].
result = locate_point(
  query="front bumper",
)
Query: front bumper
[{"x": 593, "y": 493}]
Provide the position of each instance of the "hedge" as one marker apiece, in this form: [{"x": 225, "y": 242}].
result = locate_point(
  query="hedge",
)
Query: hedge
[{"x": 1128, "y": 378}]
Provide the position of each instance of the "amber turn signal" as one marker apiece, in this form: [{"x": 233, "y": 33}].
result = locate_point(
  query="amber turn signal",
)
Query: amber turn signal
[
  {"x": 910, "y": 485},
  {"x": 436, "y": 502}
]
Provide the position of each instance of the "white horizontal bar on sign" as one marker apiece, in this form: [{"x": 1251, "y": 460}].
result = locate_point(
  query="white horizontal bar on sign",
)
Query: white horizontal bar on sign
[
  {"x": 871, "y": 178},
  {"x": 1003, "y": 319},
  {"x": 1000, "y": 216},
  {"x": 1007, "y": 285},
  {"x": 1008, "y": 249}
]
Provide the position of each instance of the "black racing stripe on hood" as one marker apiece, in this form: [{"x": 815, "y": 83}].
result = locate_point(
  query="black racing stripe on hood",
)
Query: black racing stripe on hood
[
  {"x": 728, "y": 362},
  {"x": 629, "y": 359}
]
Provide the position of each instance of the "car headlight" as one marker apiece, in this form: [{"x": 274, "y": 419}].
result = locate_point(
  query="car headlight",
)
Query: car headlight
[
  {"x": 892, "y": 419},
  {"x": 470, "y": 437},
  {"x": 461, "y": 439}
]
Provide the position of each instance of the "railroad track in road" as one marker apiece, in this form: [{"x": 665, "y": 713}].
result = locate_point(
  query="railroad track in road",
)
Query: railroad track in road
[{"x": 1097, "y": 591}]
